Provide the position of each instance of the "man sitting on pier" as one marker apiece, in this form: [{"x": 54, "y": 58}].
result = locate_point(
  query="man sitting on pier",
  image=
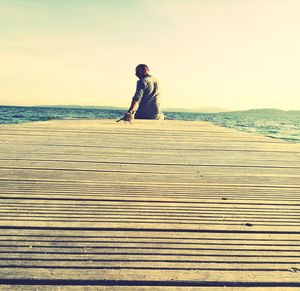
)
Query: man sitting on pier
[{"x": 146, "y": 100}]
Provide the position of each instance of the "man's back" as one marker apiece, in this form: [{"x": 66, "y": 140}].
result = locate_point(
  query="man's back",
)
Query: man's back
[{"x": 148, "y": 96}]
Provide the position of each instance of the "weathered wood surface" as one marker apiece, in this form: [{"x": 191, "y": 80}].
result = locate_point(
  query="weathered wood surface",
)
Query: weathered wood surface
[{"x": 153, "y": 205}]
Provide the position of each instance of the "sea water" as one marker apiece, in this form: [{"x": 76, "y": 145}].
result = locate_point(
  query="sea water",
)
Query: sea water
[{"x": 273, "y": 123}]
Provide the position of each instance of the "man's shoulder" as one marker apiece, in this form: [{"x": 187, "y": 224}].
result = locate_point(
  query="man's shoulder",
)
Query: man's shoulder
[
  {"x": 149, "y": 79},
  {"x": 146, "y": 81}
]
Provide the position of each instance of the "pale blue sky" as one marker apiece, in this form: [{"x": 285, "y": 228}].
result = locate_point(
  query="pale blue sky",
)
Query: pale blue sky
[{"x": 231, "y": 54}]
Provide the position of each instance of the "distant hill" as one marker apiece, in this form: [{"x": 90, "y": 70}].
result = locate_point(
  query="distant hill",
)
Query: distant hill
[{"x": 264, "y": 111}]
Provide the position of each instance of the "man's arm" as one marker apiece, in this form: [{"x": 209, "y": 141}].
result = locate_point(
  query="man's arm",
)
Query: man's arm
[
  {"x": 135, "y": 102},
  {"x": 129, "y": 115},
  {"x": 139, "y": 92},
  {"x": 134, "y": 106}
]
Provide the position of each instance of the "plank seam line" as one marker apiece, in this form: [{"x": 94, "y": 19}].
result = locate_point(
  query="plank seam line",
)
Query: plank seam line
[
  {"x": 199, "y": 174},
  {"x": 192, "y": 184},
  {"x": 156, "y": 184},
  {"x": 153, "y": 245},
  {"x": 143, "y": 268},
  {"x": 144, "y": 201},
  {"x": 147, "y": 135},
  {"x": 155, "y": 164},
  {"x": 147, "y": 254},
  {"x": 110, "y": 229},
  {"x": 177, "y": 261},
  {"x": 175, "y": 283},
  {"x": 180, "y": 149}
]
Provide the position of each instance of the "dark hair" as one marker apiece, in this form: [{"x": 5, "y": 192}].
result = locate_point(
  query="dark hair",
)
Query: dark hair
[{"x": 143, "y": 66}]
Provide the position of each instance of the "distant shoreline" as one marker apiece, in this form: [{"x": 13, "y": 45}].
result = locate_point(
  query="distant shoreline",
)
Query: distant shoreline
[{"x": 179, "y": 110}]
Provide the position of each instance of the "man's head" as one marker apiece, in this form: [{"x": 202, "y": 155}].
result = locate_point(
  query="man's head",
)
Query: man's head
[{"x": 141, "y": 71}]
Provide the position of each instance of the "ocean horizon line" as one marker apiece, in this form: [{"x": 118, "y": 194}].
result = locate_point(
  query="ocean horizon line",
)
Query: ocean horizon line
[{"x": 206, "y": 109}]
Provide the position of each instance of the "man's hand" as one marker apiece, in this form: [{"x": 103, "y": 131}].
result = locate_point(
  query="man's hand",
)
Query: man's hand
[{"x": 128, "y": 117}]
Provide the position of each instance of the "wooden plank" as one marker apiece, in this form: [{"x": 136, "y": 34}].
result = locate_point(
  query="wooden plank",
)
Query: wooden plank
[
  {"x": 148, "y": 168},
  {"x": 99, "y": 175},
  {"x": 225, "y": 277},
  {"x": 154, "y": 205}
]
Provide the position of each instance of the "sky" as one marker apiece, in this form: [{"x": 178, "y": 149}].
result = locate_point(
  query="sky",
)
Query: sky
[{"x": 236, "y": 55}]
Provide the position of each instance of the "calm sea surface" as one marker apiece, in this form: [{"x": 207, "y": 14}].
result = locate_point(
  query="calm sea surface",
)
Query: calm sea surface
[{"x": 274, "y": 123}]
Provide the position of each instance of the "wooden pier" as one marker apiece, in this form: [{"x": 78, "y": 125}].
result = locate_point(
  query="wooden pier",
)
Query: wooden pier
[{"x": 172, "y": 205}]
